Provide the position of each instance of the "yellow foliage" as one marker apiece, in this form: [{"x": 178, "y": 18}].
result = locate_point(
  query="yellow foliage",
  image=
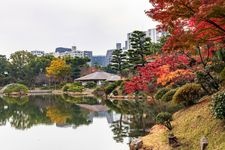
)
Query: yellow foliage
[
  {"x": 57, "y": 116},
  {"x": 58, "y": 68}
]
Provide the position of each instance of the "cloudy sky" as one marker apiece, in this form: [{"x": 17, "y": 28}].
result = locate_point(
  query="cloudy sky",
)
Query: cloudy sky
[{"x": 89, "y": 24}]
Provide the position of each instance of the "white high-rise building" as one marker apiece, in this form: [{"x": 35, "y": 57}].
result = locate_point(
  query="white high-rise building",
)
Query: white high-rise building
[{"x": 154, "y": 35}]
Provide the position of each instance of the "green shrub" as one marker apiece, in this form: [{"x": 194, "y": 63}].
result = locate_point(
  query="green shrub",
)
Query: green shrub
[
  {"x": 16, "y": 88},
  {"x": 90, "y": 85},
  {"x": 168, "y": 96},
  {"x": 164, "y": 118},
  {"x": 77, "y": 84},
  {"x": 160, "y": 93},
  {"x": 218, "y": 105},
  {"x": 73, "y": 87},
  {"x": 188, "y": 94},
  {"x": 66, "y": 87},
  {"x": 109, "y": 89}
]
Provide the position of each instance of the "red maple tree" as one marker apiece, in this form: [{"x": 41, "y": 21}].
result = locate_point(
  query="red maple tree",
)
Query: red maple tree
[
  {"x": 146, "y": 79},
  {"x": 191, "y": 24}
]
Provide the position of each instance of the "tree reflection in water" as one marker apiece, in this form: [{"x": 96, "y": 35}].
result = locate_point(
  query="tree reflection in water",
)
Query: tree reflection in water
[
  {"x": 135, "y": 116},
  {"x": 126, "y": 118},
  {"x": 25, "y": 112}
]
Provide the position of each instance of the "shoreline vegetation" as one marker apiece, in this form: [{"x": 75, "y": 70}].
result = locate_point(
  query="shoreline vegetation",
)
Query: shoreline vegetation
[
  {"x": 87, "y": 92},
  {"x": 16, "y": 89},
  {"x": 44, "y": 92}
]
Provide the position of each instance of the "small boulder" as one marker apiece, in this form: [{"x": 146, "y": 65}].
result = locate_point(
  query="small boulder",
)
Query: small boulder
[
  {"x": 136, "y": 144},
  {"x": 173, "y": 141}
]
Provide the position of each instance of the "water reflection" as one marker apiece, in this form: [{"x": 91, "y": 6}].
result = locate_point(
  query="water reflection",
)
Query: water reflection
[
  {"x": 25, "y": 112},
  {"x": 126, "y": 119},
  {"x": 136, "y": 117}
]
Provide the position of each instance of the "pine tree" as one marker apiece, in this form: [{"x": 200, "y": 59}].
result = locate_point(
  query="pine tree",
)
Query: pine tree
[
  {"x": 140, "y": 48},
  {"x": 118, "y": 62}
]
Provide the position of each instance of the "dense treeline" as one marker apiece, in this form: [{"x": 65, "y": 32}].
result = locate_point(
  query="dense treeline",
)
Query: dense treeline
[{"x": 25, "y": 68}]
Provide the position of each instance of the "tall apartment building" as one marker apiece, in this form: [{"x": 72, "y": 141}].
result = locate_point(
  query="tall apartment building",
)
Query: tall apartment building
[
  {"x": 109, "y": 56},
  {"x": 118, "y": 46}
]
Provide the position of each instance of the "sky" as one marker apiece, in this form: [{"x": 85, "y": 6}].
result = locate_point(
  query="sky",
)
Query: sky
[{"x": 95, "y": 25}]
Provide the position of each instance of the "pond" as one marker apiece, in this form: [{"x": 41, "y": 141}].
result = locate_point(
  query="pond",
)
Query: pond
[{"x": 66, "y": 123}]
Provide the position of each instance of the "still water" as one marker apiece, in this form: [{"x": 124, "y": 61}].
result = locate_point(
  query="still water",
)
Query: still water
[{"x": 65, "y": 123}]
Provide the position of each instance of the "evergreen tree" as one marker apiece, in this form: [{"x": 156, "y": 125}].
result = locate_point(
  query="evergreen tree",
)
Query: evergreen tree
[
  {"x": 76, "y": 65},
  {"x": 118, "y": 62},
  {"x": 140, "y": 48}
]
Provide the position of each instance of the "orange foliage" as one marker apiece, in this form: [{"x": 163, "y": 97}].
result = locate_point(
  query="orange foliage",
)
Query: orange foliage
[{"x": 171, "y": 77}]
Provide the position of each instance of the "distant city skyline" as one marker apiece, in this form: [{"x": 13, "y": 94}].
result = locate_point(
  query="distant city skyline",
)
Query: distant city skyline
[{"x": 90, "y": 25}]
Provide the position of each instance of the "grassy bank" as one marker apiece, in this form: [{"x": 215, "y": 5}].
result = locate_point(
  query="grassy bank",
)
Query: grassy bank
[{"x": 189, "y": 125}]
